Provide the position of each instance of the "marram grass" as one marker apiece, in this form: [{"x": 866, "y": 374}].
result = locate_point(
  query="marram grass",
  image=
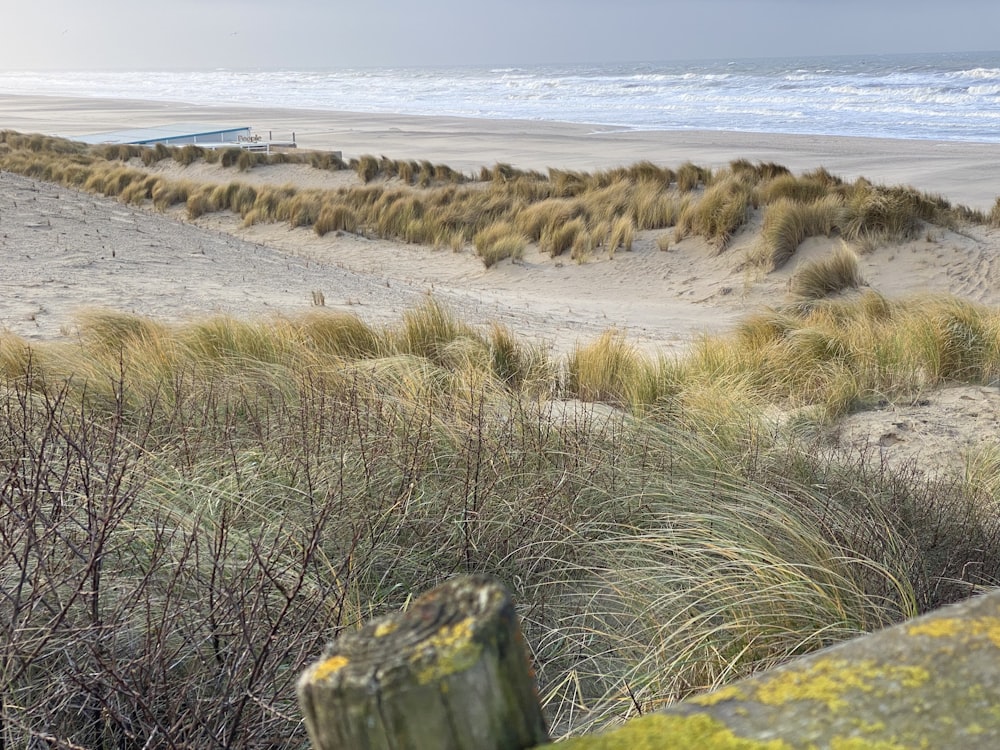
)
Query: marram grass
[
  {"x": 251, "y": 488},
  {"x": 563, "y": 211},
  {"x": 835, "y": 273},
  {"x": 787, "y": 223}
]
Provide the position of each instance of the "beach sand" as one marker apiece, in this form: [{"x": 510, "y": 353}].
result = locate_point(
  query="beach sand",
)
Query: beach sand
[{"x": 65, "y": 251}]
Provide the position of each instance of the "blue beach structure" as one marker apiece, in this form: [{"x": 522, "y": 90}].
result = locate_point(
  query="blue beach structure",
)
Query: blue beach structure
[{"x": 179, "y": 134}]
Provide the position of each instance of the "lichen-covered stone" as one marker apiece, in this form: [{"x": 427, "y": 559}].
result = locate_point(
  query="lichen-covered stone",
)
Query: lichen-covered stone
[{"x": 929, "y": 683}]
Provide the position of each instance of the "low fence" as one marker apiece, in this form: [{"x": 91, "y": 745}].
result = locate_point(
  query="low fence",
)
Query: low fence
[{"x": 452, "y": 672}]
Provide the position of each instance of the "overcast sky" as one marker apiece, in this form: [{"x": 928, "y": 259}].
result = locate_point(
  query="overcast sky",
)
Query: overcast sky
[{"x": 139, "y": 34}]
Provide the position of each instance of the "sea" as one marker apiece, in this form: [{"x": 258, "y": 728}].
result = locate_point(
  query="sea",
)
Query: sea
[{"x": 941, "y": 96}]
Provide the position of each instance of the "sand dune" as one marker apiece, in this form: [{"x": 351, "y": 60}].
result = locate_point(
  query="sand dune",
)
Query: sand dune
[{"x": 65, "y": 251}]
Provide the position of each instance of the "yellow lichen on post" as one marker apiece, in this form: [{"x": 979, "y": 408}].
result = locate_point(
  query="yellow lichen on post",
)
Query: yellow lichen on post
[
  {"x": 728, "y": 693},
  {"x": 859, "y": 743},
  {"x": 328, "y": 667},
  {"x": 450, "y": 650},
  {"x": 827, "y": 681},
  {"x": 451, "y": 671},
  {"x": 665, "y": 732}
]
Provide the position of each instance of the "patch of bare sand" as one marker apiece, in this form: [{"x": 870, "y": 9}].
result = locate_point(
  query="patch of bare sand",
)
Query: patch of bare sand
[
  {"x": 66, "y": 251},
  {"x": 660, "y": 300},
  {"x": 948, "y": 434}
]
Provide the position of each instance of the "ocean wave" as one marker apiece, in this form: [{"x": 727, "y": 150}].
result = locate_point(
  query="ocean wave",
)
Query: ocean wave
[
  {"x": 924, "y": 97},
  {"x": 976, "y": 73},
  {"x": 985, "y": 91}
]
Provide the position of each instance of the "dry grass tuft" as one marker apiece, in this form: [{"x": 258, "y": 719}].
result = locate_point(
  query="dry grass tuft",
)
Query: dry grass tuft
[
  {"x": 653, "y": 207},
  {"x": 557, "y": 237},
  {"x": 787, "y": 223},
  {"x": 333, "y": 218},
  {"x": 754, "y": 174},
  {"x": 876, "y": 214},
  {"x": 994, "y": 216},
  {"x": 621, "y": 235},
  {"x": 367, "y": 168},
  {"x": 718, "y": 214},
  {"x": 498, "y": 242},
  {"x": 171, "y": 193},
  {"x": 691, "y": 177},
  {"x": 828, "y": 276},
  {"x": 804, "y": 189}
]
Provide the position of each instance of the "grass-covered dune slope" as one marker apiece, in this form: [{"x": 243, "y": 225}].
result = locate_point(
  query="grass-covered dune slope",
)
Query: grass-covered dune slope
[
  {"x": 189, "y": 512},
  {"x": 502, "y": 210}
]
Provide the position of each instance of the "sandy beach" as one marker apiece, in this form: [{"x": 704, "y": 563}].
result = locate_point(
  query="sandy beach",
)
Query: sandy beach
[{"x": 65, "y": 251}]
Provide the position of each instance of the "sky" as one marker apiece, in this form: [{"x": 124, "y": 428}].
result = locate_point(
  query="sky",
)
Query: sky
[{"x": 200, "y": 34}]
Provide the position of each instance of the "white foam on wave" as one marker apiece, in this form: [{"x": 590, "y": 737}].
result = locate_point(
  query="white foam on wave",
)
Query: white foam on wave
[{"x": 976, "y": 73}]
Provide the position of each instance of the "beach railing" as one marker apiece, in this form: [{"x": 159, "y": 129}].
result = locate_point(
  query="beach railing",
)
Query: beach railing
[{"x": 452, "y": 672}]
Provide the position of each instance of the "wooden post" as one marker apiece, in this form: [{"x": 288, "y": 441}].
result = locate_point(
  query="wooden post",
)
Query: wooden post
[{"x": 450, "y": 673}]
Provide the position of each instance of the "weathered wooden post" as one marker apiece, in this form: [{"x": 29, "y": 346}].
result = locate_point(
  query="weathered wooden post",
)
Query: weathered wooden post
[{"x": 450, "y": 673}]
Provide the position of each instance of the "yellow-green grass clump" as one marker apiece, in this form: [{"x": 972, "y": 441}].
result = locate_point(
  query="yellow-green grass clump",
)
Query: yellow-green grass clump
[
  {"x": 718, "y": 214},
  {"x": 787, "y": 223},
  {"x": 839, "y": 353},
  {"x": 612, "y": 370},
  {"x": 819, "y": 278},
  {"x": 499, "y": 242}
]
